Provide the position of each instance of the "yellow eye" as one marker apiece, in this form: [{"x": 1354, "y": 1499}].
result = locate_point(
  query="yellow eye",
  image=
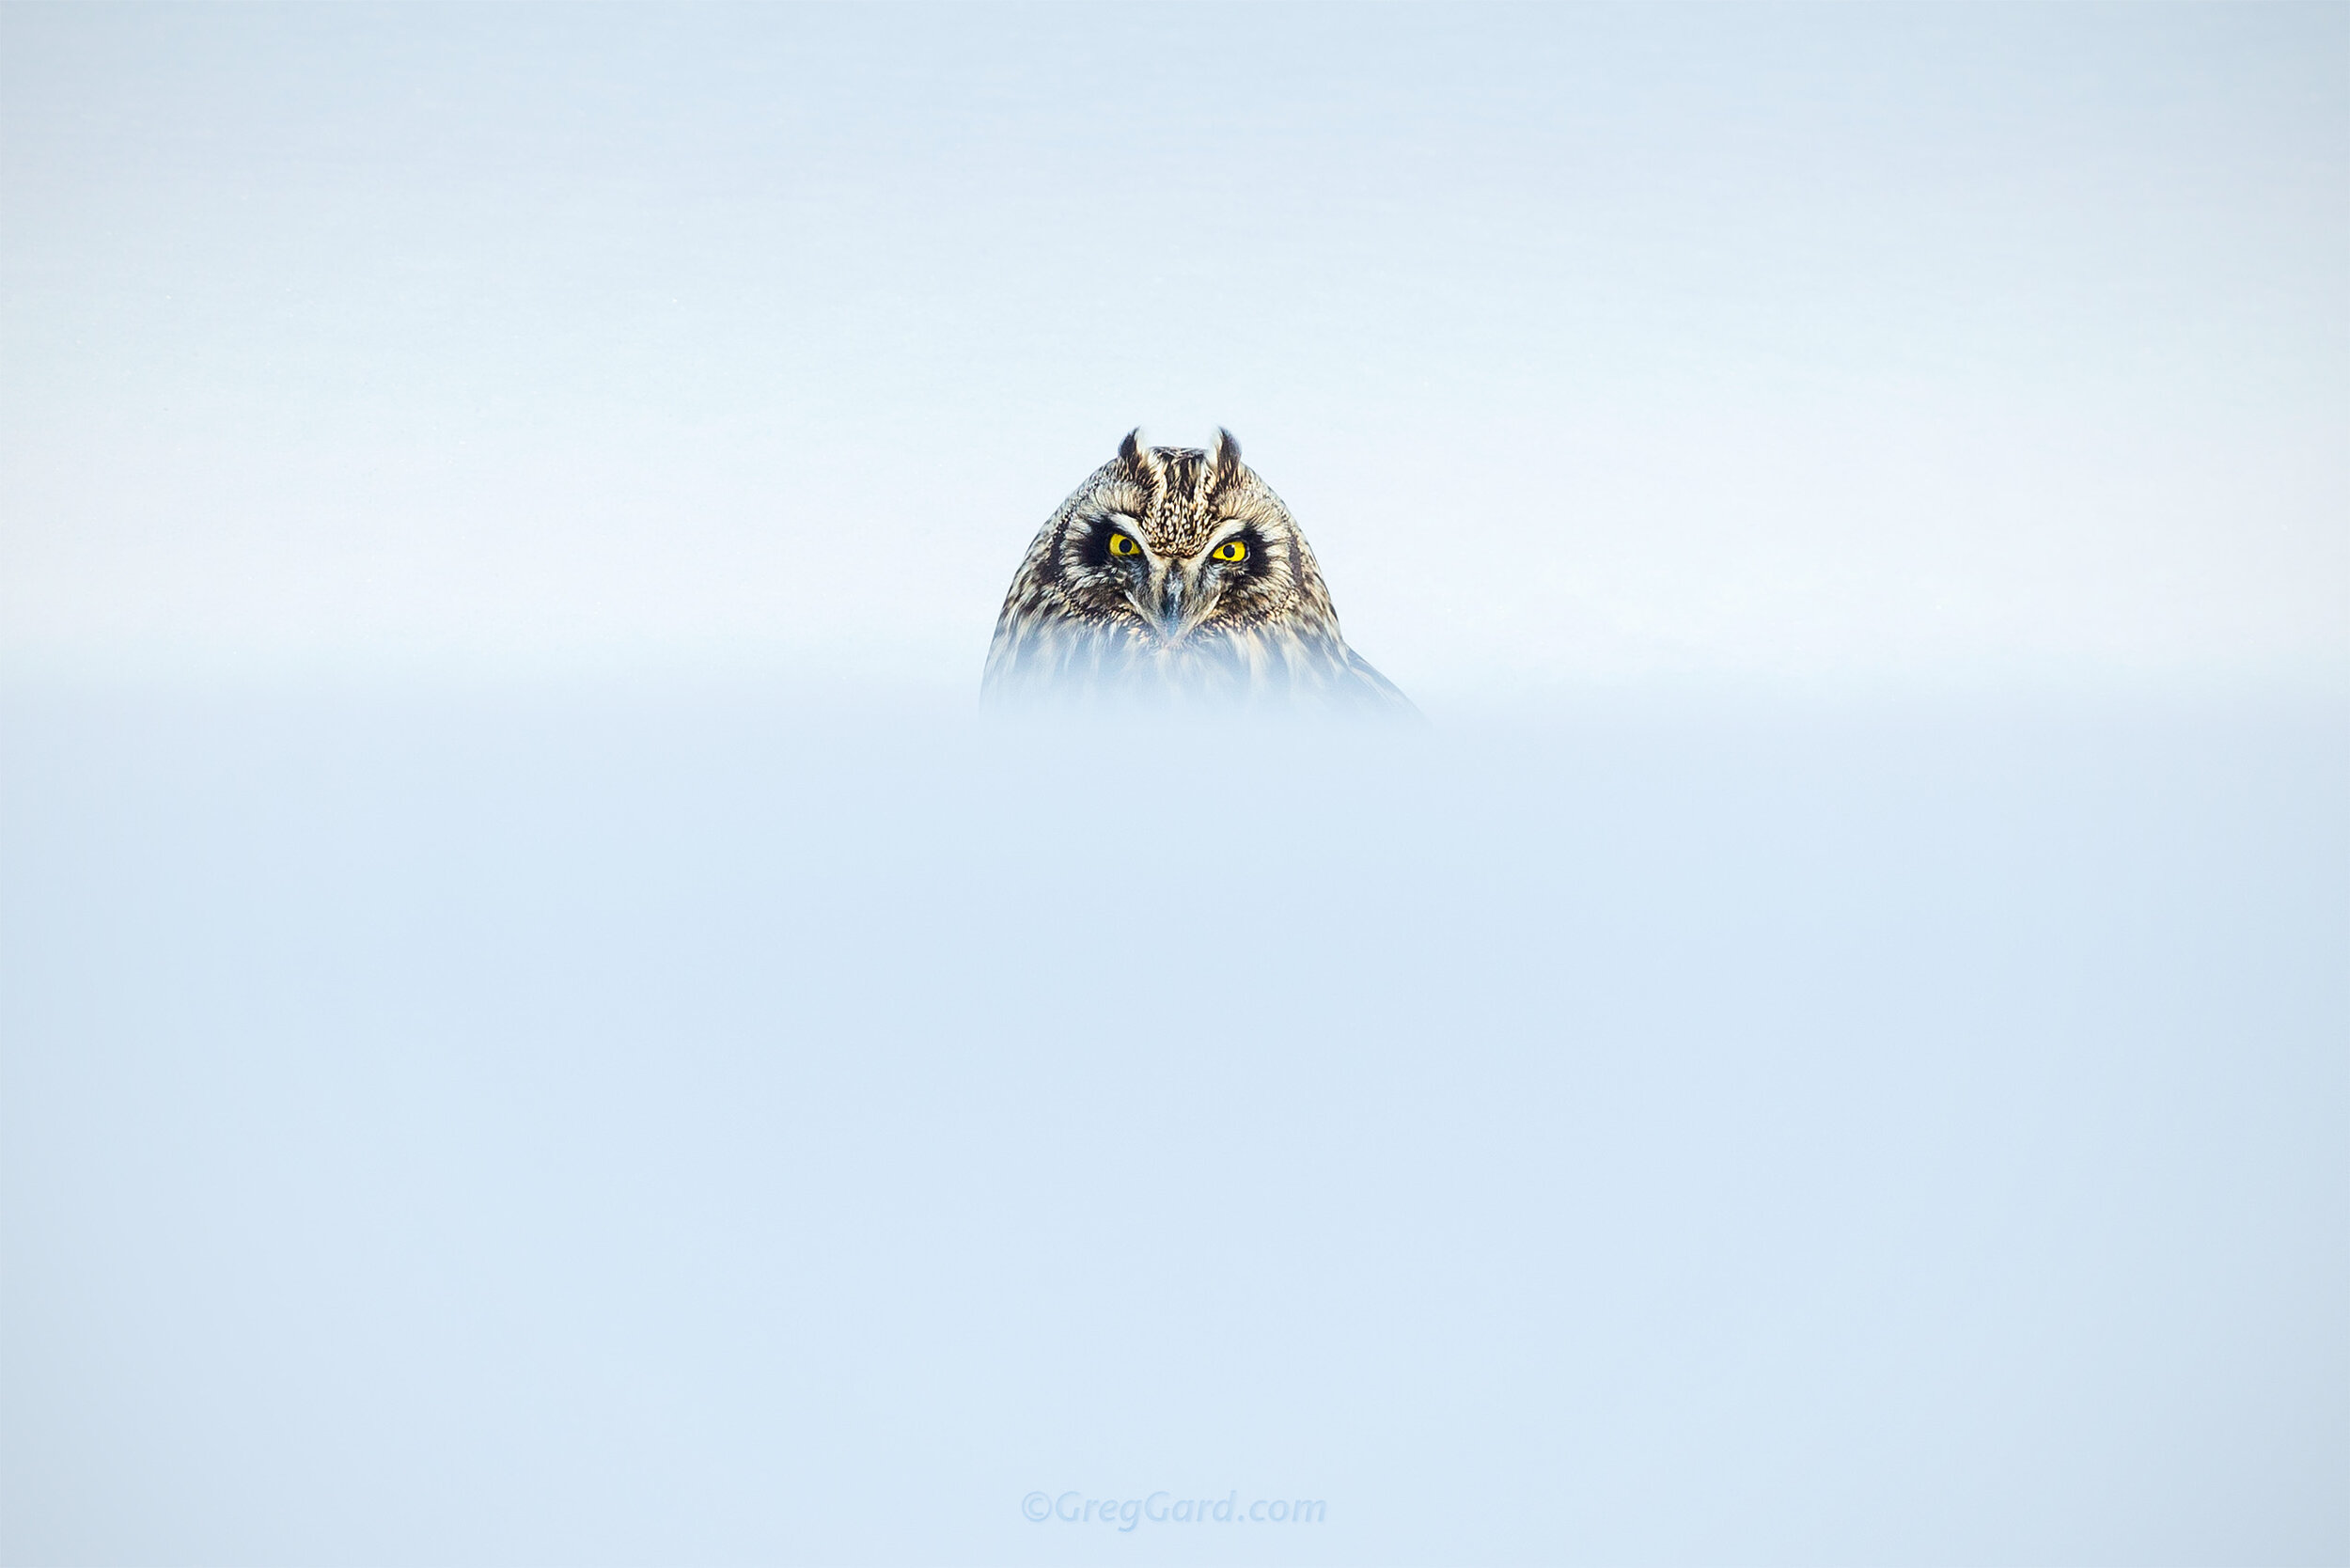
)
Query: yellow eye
[
  {"x": 1231, "y": 550},
  {"x": 1123, "y": 545}
]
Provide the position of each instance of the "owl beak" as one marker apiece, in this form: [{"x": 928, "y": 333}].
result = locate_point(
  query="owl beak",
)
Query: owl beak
[
  {"x": 1172, "y": 605},
  {"x": 1168, "y": 611}
]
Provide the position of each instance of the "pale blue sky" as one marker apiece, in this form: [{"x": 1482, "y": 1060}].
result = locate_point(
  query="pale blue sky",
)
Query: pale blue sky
[
  {"x": 1954, "y": 344},
  {"x": 623, "y": 1118}
]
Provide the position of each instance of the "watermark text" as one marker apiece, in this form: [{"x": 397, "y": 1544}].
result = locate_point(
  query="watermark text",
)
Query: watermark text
[{"x": 1168, "y": 1508}]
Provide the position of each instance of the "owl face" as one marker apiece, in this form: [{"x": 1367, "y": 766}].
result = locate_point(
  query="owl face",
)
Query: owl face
[
  {"x": 1173, "y": 547},
  {"x": 1176, "y": 574}
]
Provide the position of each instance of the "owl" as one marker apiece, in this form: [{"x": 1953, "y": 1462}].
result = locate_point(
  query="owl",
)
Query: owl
[{"x": 1174, "y": 574}]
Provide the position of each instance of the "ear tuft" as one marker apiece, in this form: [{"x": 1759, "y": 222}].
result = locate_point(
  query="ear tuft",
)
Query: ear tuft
[
  {"x": 1130, "y": 451},
  {"x": 1224, "y": 462}
]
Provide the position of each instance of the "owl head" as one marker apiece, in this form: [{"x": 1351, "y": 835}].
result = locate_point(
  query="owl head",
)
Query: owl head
[
  {"x": 1173, "y": 545},
  {"x": 1176, "y": 573}
]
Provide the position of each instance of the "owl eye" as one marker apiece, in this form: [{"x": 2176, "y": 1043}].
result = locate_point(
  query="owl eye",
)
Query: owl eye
[
  {"x": 1123, "y": 545},
  {"x": 1231, "y": 550}
]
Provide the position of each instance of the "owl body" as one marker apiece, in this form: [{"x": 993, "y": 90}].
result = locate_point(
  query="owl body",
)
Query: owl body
[{"x": 1175, "y": 574}]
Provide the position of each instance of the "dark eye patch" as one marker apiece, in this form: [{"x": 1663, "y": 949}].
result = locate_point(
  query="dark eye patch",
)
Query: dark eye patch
[{"x": 1093, "y": 549}]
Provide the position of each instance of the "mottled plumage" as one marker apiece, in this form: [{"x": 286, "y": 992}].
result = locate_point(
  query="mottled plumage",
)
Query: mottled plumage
[{"x": 1176, "y": 573}]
